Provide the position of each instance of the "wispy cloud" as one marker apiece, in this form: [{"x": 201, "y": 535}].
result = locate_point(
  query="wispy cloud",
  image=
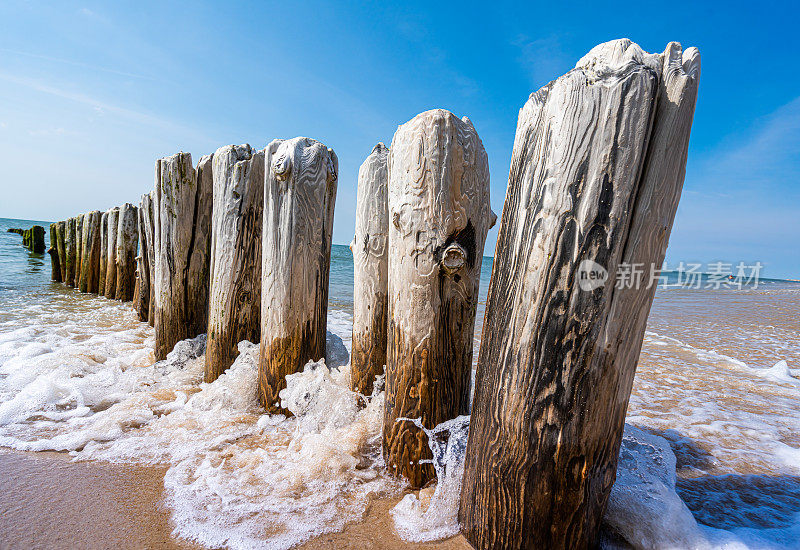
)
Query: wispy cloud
[
  {"x": 73, "y": 63},
  {"x": 51, "y": 132}
]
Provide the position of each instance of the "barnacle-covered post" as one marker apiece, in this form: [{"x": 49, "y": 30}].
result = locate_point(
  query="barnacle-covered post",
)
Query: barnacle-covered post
[
  {"x": 596, "y": 174},
  {"x": 299, "y": 198},
  {"x": 439, "y": 215},
  {"x": 371, "y": 272},
  {"x": 182, "y": 240},
  {"x": 234, "y": 312}
]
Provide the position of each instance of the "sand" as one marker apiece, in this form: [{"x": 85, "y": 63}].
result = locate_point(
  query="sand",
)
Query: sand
[{"x": 49, "y": 502}]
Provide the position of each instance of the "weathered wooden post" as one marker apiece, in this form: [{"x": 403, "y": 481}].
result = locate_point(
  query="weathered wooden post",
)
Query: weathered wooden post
[
  {"x": 182, "y": 240},
  {"x": 61, "y": 230},
  {"x": 111, "y": 253},
  {"x": 90, "y": 252},
  {"x": 234, "y": 312},
  {"x": 596, "y": 174},
  {"x": 148, "y": 209},
  {"x": 371, "y": 272},
  {"x": 37, "y": 239},
  {"x": 55, "y": 263},
  {"x": 127, "y": 242},
  {"x": 70, "y": 241},
  {"x": 78, "y": 249},
  {"x": 142, "y": 298},
  {"x": 439, "y": 215},
  {"x": 299, "y": 199},
  {"x": 101, "y": 285}
]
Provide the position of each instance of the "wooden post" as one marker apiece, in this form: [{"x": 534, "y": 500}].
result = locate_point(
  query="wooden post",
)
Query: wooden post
[
  {"x": 234, "y": 312},
  {"x": 101, "y": 285},
  {"x": 61, "y": 230},
  {"x": 182, "y": 240},
  {"x": 440, "y": 214},
  {"x": 299, "y": 199},
  {"x": 111, "y": 254},
  {"x": 127, "y": 242},
  {"x": 142, "y": 299},
  {"x": 55, "y": 264},
  {"x": 148, "y": 205},
  {"x": 70, "y": 240},
  {"x": 371, "y": 272},
  {"x": 596, "y": 174},
  {"x": 78, "y": 249},
  {"x": 37, "y": 239},
  {"x": 90, "y": 252}
]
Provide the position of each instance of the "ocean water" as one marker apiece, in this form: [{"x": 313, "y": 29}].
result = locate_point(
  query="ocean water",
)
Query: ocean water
[{"x": 710, "y": 459}]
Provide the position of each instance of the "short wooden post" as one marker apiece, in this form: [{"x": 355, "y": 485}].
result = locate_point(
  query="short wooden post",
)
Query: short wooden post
[
  {"x": 61, "y": 230},
  {"x": 110, "y": 290},
  {"x": 234, "y": 312},
  {"x": 182, "y": 240},
  {"x": 299, "y": 199},
  {"x": 70, "y": 242},
  {"x": 596, "y": 174},
  {"x": 37, "y": 239},
  {"x": 439, "y": 215},
  {"x": 127, "y": 242},
  {"x": 101, "y": 285},
  {"x": 142, "y": 298},
  {"x": 371, "y": 272},
  {"x": 55, "y": 263},
  {"x": 90, "y": 252}
]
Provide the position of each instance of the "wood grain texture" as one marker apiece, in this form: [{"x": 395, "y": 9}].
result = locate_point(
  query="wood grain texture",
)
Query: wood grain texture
[
  {"x": 299, "y": 199},
  {"x": 55, "y": 264},
  {"x": 78, "y": 249},
  {"x": 101, "y": 286},
  {"x": 596, "y": 173},
  {"x": 371, "y": 272},
  {"x": 70, "y": 242},
  {"x": 148, "y": 211},
  {"x": 61, "y": 232},
  {"x": 235, "y": 302},
  {"x": 142, "y": 298},
  {"x": 127, "y": 244},
  {"x": 182, "y": 240},
  {"x": 110, "y": 290},
  {"x": 90, "y": 252},
  {"x": 439, "y": 215}
]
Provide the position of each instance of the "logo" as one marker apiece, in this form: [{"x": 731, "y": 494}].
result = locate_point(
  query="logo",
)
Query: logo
[{"x": 591, "y": 275}]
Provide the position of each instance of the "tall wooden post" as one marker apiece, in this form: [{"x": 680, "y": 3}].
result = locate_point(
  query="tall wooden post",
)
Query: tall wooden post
[
  {"x": 101, "y": 285},
  {"x": 299, "y": 199},
  {"x": 78, "y": 249},
  {"x": 70, "y": 242},
  {"x": 127, "y": 242},
  {"x": 439, "y": 215},
  {"x": 148, "y": 209},
  {"x": 182, "y": 240},
  {"x": 110, "y": 290},
  {"x": 90, "y": 252},
  {"x": 55, "y": 261},
  {"x": 235, "y": 300},
  {"x": 61, "y": 230},
  {"x": 596, "y": 174},
  {"x": 371, "y": 272},
  {"x": 142, "y": 300}
]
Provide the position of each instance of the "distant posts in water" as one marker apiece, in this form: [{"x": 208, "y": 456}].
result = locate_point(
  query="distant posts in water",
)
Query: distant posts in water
[
  {"x": 70, "y": 250},
  {"x": 55, "y": 264},
  {"x": 127, "y": 242},
  {"x": 439, "y": 214},
  {"x": 234, "y": 312},
  {"x": 182, "y": 238},
  {"x": 371, "y": 272},
  {"x": 142, "y": 299},
  {"x": 596, "y": 174},
  {"x": 299, "y": 198},
  {"x": 90, "y": 252},
  {"x": 32, "y": 239},
  {"x": 101, "y": 286},
  {"x": 110, "y": 290},
  {"x": 61, "y": 229}
]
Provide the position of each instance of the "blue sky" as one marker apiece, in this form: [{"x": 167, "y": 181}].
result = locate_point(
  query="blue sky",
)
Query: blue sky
[{"x": 91, "y": 94}]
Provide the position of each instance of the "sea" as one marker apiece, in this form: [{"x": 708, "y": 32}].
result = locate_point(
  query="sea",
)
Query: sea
[{"x": 710, "y": 456}]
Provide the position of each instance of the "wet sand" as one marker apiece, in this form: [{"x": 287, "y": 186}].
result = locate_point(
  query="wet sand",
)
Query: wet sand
[{"x": 49, "y": 502}]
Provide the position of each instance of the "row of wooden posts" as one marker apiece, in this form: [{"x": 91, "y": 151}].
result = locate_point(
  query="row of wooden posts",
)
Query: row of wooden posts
[
  {"x": 239, "y": 247},
  {"x": 32, "y": 239}
]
